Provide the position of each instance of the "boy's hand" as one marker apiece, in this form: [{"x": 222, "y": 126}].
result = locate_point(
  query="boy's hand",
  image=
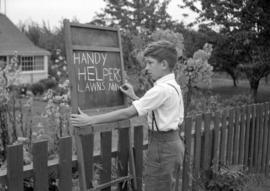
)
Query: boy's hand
[
  {"x": 128, "y": 90},
  {"x": 81, "y": 119}
]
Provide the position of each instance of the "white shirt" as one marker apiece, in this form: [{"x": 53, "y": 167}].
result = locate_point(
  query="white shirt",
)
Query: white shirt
[{"x": 166, "y": 103}]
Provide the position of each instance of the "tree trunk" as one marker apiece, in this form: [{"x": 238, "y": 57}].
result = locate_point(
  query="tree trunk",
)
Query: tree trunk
[
  {"x": 233, "y": 76},
  {"x": 254, "y": 84},
  {"x": 4, "y": 130}
]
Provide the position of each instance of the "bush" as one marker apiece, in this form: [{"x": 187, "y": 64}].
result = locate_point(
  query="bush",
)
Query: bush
[
  {"x": 224, "y": 177},
  {"x": 37, "y": 88},
  {"x": 49, "y": 83}
]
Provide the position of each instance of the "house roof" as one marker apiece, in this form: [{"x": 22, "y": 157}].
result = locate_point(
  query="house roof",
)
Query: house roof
[{"x": 12, "y": 39}]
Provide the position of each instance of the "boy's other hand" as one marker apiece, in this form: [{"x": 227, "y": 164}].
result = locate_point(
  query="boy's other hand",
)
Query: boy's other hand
[{"x": 80, "y": 119}]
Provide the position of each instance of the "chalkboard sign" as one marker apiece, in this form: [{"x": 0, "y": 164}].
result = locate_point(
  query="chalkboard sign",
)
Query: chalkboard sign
[{"x": 95, "y": 65}]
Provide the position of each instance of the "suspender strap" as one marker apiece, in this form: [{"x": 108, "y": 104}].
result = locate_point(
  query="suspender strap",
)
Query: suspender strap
[
  {"x": 174, "y": 88},
  {"x": 153, "y": 114},
  {"x": 154, "y": 121}
]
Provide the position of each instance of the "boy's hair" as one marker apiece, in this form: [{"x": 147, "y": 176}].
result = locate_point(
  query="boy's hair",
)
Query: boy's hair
[{"x": 162, "y": 50}]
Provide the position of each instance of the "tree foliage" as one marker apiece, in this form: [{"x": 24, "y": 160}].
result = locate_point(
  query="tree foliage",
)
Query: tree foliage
[
  {"x": 135, "y": 15},
  {"x": 246, "y": 24}
]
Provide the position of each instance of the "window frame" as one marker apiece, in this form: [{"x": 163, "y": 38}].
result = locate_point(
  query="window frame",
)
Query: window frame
[{"x": 34, "y": 69}]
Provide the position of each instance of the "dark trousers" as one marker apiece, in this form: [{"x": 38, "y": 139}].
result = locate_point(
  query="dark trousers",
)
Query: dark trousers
[{"x": 163, "y": 161}]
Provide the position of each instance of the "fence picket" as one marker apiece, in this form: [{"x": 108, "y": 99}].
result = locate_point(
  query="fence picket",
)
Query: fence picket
[
  {"x": 257, "y": 137},
  {"x": 242, "y": 135},
  {"x": 15, "y": 167},
  {"x": 123, "y": 147},
  {"x": 65, "y": 164},
  {"x": 207, "y": 142},
  {"x": 85, "y": 150},
  {"x": 187, "y": 158},
  {"x": 230, "y": 136},
  {"x": 267, "y": 162},
  {"x": 223, "y": 136},
  {"x": 260, "y": 142},
  {"x": 216, "y": 140},
  {"x": 236, "y": 136},
  {"x": 253, "y": 136},
  {"x": 197, "y": 151},
  {"x": 247, "y": 137},
  {"x": 138, "y": 148},
  {"x": 40, "y": 165},
  {"x": 265, "y": 137},
  {"x": 106, "y": 155}
]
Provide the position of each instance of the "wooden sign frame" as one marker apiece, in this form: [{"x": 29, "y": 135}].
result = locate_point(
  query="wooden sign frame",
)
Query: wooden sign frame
[{"x": 71, "y": 35}]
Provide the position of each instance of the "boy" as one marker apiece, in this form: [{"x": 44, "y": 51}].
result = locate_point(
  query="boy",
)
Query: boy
[{"x": 163, "y": 105}]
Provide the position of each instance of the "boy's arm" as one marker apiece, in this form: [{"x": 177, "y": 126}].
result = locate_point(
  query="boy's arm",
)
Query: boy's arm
[{"x": 83, "y": 119}]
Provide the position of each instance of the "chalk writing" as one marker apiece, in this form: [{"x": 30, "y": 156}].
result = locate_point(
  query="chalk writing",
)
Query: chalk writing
[
  {"x": 94, "y": 73},
  {"x": 89, "y": 58}
]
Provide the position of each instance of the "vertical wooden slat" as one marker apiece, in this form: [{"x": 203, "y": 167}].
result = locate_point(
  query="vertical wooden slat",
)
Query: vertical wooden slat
[
  {"x": 106, "y": 150},
  {"x": 265, "y": 137},
  {"x": 187, "y": 157},
  {"x": 85, "y": 149},
  {"x": 138, "y": 155},
  {"x": 216, "y": 140},
  {"x": 257, "y": 136},
  {"x": 123, "y": 147},
  {"x": 207, "y": 142},
  {"x": 236, "y": 136},
  {"x": 242, "y": 135},
  {"x": 15, "y": 167},
  {"x": 252, "y": 136},
  {"x": 131, "y": 161},
  {"x": 223, "y": 138},
  {"x": 197, "y": 150},
  {"x": 40, "y": 165},
  {"x": 261, "y": 132},
  {"x": 247, "y": 137},
  {"x": 267, "y": 171},
  {"x": 65, "y": 164},
  {"x": 230, "y": 136}
]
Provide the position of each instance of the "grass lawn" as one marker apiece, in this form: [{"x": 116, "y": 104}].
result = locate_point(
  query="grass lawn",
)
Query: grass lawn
[{"x": 224, "y": 88}]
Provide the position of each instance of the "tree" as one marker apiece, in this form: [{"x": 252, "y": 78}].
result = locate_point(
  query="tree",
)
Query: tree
[
  {"x": 247, "y": 24},
  {"x": 135, "y": 15},
  {"x": 224, "y": 57}
]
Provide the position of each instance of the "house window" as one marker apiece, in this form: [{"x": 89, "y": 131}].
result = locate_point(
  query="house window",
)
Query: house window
[
  {"x": 32, "y": 63},
  {"x": 3, "y": 61}
]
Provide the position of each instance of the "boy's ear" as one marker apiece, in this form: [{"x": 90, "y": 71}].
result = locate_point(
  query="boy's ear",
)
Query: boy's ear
[{"x": 164, "y": 63}]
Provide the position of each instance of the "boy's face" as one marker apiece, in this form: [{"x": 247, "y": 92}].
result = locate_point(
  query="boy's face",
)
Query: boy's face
[{"x": 154, "y": 68}]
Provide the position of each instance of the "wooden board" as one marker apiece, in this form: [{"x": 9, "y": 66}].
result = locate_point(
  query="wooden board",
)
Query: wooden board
[{"x": 95, "y": 66}]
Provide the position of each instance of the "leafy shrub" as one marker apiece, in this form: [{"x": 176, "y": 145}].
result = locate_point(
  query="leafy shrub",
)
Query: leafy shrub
[
  {"x": 37, "y": 88},
  {"x": 49, "y": 83},
  {"x": 224, "y": 178}
]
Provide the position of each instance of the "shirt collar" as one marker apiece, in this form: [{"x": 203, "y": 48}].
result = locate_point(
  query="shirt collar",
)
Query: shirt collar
[{"x": 165, "y": 78}]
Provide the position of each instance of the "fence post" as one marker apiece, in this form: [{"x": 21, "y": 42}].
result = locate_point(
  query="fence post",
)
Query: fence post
[
  {"x": 138, "y": 154},
  {"x": 65, "y": 164},
  {"x": 106, "y": 154},
  {"x": 15, "y": 167},
  {"x": 123, "y": 147},
  {"x": 40, "y": 166}
]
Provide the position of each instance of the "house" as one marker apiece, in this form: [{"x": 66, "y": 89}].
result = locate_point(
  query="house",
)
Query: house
[{"x": 33, "y": 60}]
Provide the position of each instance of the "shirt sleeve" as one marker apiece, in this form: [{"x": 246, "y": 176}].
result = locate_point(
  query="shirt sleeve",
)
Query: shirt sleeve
[{"x": 152, "y": 99}]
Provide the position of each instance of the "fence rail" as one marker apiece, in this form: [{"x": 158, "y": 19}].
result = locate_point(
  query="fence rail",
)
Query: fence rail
[{"x": 236, "y": 136}]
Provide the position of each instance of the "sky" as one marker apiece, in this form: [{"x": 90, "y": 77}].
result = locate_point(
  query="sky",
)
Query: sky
[{"x": 53, "y": 11}]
